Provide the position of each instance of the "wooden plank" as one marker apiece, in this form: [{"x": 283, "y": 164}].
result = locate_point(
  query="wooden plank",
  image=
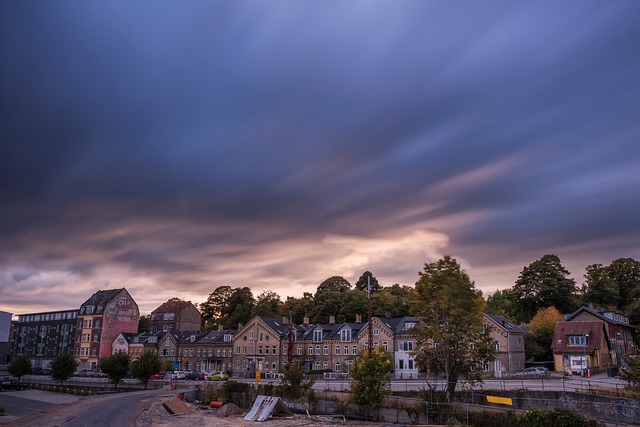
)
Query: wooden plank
[{"x": 500, "y": 400}]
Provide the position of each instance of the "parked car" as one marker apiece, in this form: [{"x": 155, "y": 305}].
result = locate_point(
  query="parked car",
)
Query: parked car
[
  {"x": 178, "y": 375},
  {"x": 535, "y": 372},
  {"x": 195, "y": 376},
  {"x": 219, "y": 376},
  {"x": 8, "y": 383},
  {"x": 41, "y": 371},
  {"x": 158, "y": 376}
]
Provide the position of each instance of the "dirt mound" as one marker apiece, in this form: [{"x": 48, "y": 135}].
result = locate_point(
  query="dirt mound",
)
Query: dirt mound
[{"x": 228, "y": 410}]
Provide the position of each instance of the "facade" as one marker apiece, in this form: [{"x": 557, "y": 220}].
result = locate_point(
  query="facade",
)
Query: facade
[
  {"x": 214, "y": 351},
  {"x": 43, "y": 336},
  {"x": 619, "y": 331},
  {"x": 101, "y": 319},
  {"x": 508, "y": 341},
  {"x": 5, "y": 334},
  {"x": 580, "y": 345},
  {"x": 403, "y": 347},
  {"x": 175, "y": 316}
]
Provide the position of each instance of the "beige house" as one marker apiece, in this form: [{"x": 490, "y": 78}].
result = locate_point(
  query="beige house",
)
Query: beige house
[
  {"x": 508, "y": 342},
  {"x": 175, "y": 316}
]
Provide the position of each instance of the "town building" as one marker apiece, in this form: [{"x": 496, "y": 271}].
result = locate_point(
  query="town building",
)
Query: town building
[
  {"x": 508, "y": 342},
  {"x": 214, "y": 351},
  {"x": 101, "y": 318},
  {"x": 5, "y": 338},
  {"x": 43, "y": 336},
  {"x": 175, "y": 315},
  {"x": 581, "y": 346}
]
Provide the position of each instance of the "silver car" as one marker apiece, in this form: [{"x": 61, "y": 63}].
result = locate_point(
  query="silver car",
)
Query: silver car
[{"x": 535, "y": 372}]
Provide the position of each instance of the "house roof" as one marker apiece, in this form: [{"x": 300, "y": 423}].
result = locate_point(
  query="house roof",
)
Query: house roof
[
  {"x": 607, "y": 316},
  {"x": 172, "y": 307},
  {"x": 101, "y": 298},
  {"x": 504, "y": 323},
  {"x": 595, "y": 329}
]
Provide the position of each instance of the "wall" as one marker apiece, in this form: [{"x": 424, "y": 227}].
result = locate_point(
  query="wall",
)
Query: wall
[{"x": 120, "y": 315}]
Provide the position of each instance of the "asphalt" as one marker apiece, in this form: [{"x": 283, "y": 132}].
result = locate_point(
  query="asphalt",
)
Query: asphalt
[{"x": 18, "y": 404}]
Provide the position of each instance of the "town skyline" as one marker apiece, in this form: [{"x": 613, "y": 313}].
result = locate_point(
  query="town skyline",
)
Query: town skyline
[{"x": 171, "y": 150}]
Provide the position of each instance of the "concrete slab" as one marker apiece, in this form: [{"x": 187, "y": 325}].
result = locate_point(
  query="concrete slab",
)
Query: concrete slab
[{"x": 43, "y": 396}]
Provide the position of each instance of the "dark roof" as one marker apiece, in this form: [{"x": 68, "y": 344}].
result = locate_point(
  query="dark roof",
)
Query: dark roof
[
  {"x": 102, "y": 298},
  {"x": 596, "y": 330},
  {"x": 504, "y": 323},
  {"x": 172, "y": 307},
  {"x": 607, "y": 316}
]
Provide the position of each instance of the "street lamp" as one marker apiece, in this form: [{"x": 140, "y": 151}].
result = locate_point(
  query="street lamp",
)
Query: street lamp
[{"x": 585, "y": 370}]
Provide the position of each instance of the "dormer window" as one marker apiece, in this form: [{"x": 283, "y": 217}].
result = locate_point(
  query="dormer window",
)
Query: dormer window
[
  {"x": 345, "y": 335},
  {"x": 408, "y": 325},
  {"x": 317, "y": 335}
]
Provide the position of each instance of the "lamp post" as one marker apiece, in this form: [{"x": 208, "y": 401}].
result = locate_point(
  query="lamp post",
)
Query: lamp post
[{"x": 586, "y": 362}]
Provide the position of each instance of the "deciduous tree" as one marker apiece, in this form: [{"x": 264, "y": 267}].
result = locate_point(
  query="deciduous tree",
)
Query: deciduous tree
[
  {"x": 146, "y": 365},
  {"x": 366, "y": 279},
  {"x": 268, "y": 303},
  {"x": 333, "y": 283},
  {"x": 19, "y": 366},
  {"x": 540, "y": 332},
  {"x": 116, "y": 367},
  {"x": 63, "y": 366},
  {"x": 544, "y": 283},
  {"x": 371, "y": 378},
  {"x": 453, "y": 341},
  {"x": 240, "y": 306},
  {"x": 215, "y": 308}
]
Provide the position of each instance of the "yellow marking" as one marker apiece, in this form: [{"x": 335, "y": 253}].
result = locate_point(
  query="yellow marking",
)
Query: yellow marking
[{"x": 500, "y": 400}]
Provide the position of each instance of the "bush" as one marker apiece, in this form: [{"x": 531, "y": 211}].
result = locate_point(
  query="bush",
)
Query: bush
[{"x": 230, "y": 387}]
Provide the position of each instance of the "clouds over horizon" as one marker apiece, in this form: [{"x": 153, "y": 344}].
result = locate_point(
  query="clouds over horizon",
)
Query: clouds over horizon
[{"x": 173, "y": 149}]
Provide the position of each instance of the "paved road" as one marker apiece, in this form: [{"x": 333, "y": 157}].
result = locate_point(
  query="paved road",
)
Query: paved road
[{"x": 17, "y": 406}]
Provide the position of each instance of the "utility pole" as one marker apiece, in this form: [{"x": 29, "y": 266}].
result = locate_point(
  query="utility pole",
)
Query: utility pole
[{"x": 369, "y": 313}]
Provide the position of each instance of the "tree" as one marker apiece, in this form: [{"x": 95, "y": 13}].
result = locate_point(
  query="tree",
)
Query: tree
[
  {"x": 297, "y": 308},
  {"x": 502, "y": 302},
  {"x": 544, "y": 283},
  {"x": 215, "y": 308},
  {"x": 371, "y": 378},
  {"x": 392, "y": 300},
  {"x": 453, "y": 340},
  {"x": 268, "y": 303},
  {"x": 293, "y": 383},
  {"x": 19, "y": 366},
  {"x": 116, "y": 367},
  {"x": 625, "y": 273},
  {"x": 333, "y": 283},
  {"x": 367, "y": 279},
  {"x": 63, "y": 366},
  {"x": 631, "y": 373},
  {"x": 239, "y": 307},
  {"x": 539, "y": 335},
  {"x": 147, "y": 364},
  {"x": 143, "y": 323}
]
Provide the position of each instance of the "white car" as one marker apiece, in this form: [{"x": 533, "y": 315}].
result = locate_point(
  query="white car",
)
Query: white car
[{"x": 535, "y": 372}]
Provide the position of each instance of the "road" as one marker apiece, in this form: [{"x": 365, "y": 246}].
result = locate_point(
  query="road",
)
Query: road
[{"x": 17, "y": 406}]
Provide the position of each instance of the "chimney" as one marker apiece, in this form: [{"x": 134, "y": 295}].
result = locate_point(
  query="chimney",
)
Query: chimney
[
  {"x": 306, "y": 320},
  {"x": 358, "y": 318},
  {"x": 240, "y": 325},
  {"x": 220, "y": 327},
  {"x": 387, "y": 314},
  {"x": 285, "y": 320},
  {"x": 332, "y": 319}
]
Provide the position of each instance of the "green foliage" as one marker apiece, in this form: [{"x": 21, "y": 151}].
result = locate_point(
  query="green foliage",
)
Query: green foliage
[
  {"x": 233, "y": 387},
  {"x": 631, "y": 373},
  {"x": 63, "y": 366},
  {"x": 293, "y": 383},
  {"x": 392, "y": 300},
  {"x": 333, "y": 283},
  {"x": 297, "y": 308},
  {"x": 240, "y": 306},
  {"x": 453, "y": 340},
  {"x": 362, "y": 283},
  {"x": 147, "y": 364},
  {"x": 371, "y": 378},
  {"x": 19, "y": 366},
  {"x": 267, "y": 304},
  {"x": 544, "y": 283},
  {"x": 116, "y": 367},
  {"x": 143, "y": 323},
  {"x": 558, "y": 417},
  {"x": 502, "y": 302},
  {"x": 215, "y": 308}
]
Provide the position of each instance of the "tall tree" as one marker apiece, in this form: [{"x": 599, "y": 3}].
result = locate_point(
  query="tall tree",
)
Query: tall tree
[
  {"x": 453, "y": 341},
  {"x": 392, "y": 300},
  {"x": 502, "y": 302},
  {"x": 544, "y": 283},
  {"x": 366, "y": 279},
  {"x": 63, "y": 366},
  {"x": 147, "y": 364},
  {"x": 143, "y": 323},
  {"x": 371, "y": 375},
  {"x": 297, "y": 308},
  {"x": 625, "y": 272},
  {"x": 267, "y": 304},
  {"x": 116, "y": 367},
  {"x": 240, "y": 306},
  {"x": 19, "y": 366},
  {"x": 599, "y": 288},
  {"x": 540, "y": 332},
  {"x": 333, "y": 283},
  {"x": 216, "y": 307}
]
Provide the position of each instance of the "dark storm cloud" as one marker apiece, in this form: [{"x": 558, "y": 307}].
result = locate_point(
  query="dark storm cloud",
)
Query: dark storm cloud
[{"x": 188, "y": 143}]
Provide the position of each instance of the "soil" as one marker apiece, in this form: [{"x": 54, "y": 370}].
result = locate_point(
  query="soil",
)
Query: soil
[{"x": 230, "y": 415}]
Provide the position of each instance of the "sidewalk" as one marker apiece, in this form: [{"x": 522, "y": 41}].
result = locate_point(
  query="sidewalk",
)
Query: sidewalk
[{"x": 43, "y": 396}]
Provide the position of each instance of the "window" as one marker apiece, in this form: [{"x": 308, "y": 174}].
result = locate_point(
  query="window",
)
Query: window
[
  {"x": 577, "y": 340},
  {"x": 337, "y": 366},
  {"x": 260, "y": 336},
  {"x": 385, "y": 344},
  {"x": 199, "y": 352},
  {"x": 325, "y": 350},
  {"x": 310, "y": 350},
  {"x": 190, "y": 352},
  {"x": 250, "y": 336},
  {"x": 317, "y": 365},
  {"x": 376, "y": 331},
  {"x": 354, "y": 349},
  {"x": 318, "y": 351},
  {"x": 325, "y": 365},
  {"x": 317, "y": 335},
  {"x": 228, "y": 337},
  {"x": 408, "y": 325},
  {"x": 337, "y": 350},
  {"x": 345, "y": 335},
  {"x": 496, "y": 345},
  {"x": 274, "y": 349},
  {"x": 346, "y": 350},
  {"x": 167, "y": 342}
]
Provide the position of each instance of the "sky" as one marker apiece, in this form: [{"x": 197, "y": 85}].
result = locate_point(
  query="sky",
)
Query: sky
[{"x": 171, "y": 147}]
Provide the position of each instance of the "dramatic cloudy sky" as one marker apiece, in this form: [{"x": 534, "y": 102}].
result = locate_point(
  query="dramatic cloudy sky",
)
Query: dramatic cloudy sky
[{"x": 173, "y": 147}]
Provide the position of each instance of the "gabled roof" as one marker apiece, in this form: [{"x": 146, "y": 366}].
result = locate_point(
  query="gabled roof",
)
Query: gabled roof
[
  {"x": 192, "y": 337},
  {"x": 504, "y": 323},
  {"x": 101, "y": 298},
  {"x": 172, "y": 307},
  {"x": 216, "y": 337},
  {"x": 606, "y": 316},
  {"x": 596, "y": 331}
]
